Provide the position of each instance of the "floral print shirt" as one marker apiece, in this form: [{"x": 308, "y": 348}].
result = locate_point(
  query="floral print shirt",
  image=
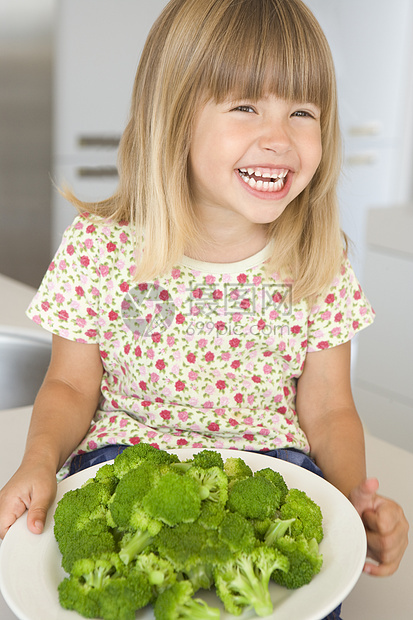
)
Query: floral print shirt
[{"x": 206, "y": 357}]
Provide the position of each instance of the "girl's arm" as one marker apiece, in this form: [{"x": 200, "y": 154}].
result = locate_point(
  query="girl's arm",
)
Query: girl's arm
[
  {"x": 328, "y": 416},
  {"x": 62, "y": 413}
]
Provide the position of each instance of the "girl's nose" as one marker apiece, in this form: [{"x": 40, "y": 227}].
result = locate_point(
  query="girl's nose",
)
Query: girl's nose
[{"x": 275, "y": 137}]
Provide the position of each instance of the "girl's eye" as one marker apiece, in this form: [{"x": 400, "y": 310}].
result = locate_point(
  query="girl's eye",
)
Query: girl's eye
[
  {"x": 244, "y": 108},
  {"x": 303, "y": 114}
]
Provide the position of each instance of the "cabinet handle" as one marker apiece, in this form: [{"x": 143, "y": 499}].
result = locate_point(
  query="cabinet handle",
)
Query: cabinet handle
[
  {"x": 366, "y": 130},
  {"x": 361, "y": 159},
  {"x": 97, "y": 172},
  {"x": 101, "y": 142}
]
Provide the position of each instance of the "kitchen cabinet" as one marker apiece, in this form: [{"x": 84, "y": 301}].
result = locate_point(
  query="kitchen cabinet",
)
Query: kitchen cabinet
[
  {"x": 97, "y": 49},
  {"x": 383, "y": 387},
  {"x": 373, "y": 54}
]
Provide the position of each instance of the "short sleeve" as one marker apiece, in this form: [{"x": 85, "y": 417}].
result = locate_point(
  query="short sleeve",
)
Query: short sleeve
[
  {"x": 67, "y": 302},
  {"x": 342, "y": 312}
]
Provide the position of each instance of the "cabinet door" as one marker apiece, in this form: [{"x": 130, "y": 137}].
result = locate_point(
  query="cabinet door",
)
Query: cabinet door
[
  {"x": 372, "y": 49},
  {"x": 98, "y": 45},
  {"x": 376, "y": 66}
]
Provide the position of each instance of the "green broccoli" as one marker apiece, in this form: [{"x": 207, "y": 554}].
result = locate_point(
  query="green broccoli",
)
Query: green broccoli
[
  {"x": 211, "y": 515},
  {"x": 305, "y": 561},
  {"x": 204, "y": 459},
  {"x": 127, "y": 515},
  {"x": 89, "y": 542},
  {"x": 254, "y": 498},
  {"x": 100, "y": 588},
  {"x": 75, "y": 594},
  {"x": 133, "y": 543},
  {"x": 307, "y": 514},
  {"x": 214, "y": 483},
  {"x": 106, "y": 475},
  {"x": 151, "y": 529},
  {"x": 78, "y": 507},
  {"x": 121, "y": 598},
  {"x": 276, "y": 529},
  {"x": 236, "y": 469},
  {"x": 159, "y": 571},
  {"x": 133, "y": 456},
  {"x": 207, "y": 459},
  {"x": 177, "y": 603},
  {"x": 277, "y": 479},
  {"x": 261, "y": 526},
  {"x": 243, "y": 580},
  {"x": 80, "y": 525},
  {"x": 174, "y": 499},
  {"x": 237, "y": 532},
  {"x": 125, "y": 506},
  {"x": 192, "y": 550}
]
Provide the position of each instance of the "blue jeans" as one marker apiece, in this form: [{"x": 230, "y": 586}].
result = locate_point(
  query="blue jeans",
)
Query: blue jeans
[{"x": 107, "y": 453}]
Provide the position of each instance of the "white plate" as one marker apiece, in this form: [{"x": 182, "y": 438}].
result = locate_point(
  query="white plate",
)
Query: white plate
[{"x": 30, "y": 569}]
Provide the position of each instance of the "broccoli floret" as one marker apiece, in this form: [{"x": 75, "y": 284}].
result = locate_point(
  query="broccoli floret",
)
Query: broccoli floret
[
  {"x": 80, "y": 524},
  {"x": 207, "y": 459},
  {"x": 177, "y": 603},
  {"x": 160, "y": 572},
  {"x": 106, "y": 475},
  {"x": 213, "y": 481},
  {"x": 276, "y": 478},
  {"x": 100, "y": 588},
  {"x": 125, "y": 506},
  {"x": 260, "y": 527},
  {"x": 91, "y": 541},
  {"x": 77, "y": 508},
  {"x": 97, "y": 572},
  {"x": 133, "y": 543},
  {"x": 236, "y": 469},
  {"x": 174, "y": 499},
  {"x": 75, "y": 594},
  {"x": 181, "y": 545},
  {"x": 305, "y": 561},
  {"x": 243, "y": 580},
  {"x": 307, "y": 514},
  {"x": 254, "y": 498},
  {"x": 276, "y": 529},
  {"x": 211, "y": 515},
  {"x": 237, "y": 532},
  {"x": 141, "y": 452},
  {"x": 204, "y": 459},
  {"x": 192, "y": 550},
  {"x": 121, "y": 598}
]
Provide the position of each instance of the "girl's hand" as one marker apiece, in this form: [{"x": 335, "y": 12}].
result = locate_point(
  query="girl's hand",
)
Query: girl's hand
[
  {"x": 386, "y": 528},
  {"x": 33, "y": 488}
]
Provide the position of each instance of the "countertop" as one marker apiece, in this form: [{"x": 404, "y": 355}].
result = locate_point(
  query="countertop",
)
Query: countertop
[
  {"x": 371, "y": 599},
  {"x": 15, "y": 297}
]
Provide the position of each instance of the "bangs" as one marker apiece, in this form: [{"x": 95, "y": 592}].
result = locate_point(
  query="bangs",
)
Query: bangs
[{"x": 268, "y": 47}]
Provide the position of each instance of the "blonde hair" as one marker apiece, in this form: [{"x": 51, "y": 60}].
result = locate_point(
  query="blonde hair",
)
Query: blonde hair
[{"x": 203, "y": 49}]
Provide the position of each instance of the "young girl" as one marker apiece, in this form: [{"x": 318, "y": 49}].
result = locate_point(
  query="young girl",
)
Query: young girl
[{"x": 209, "y": 302}]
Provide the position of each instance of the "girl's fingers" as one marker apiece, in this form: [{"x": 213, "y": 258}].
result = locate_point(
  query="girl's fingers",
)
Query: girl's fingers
[
  {"x": 387, "y": 538},
  {"x": 10, "y": 514},
  {"x": 39, "y": 505}
]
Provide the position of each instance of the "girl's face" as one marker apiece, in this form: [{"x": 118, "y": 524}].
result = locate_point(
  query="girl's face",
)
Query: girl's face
[{"x": 249, "y": 160}]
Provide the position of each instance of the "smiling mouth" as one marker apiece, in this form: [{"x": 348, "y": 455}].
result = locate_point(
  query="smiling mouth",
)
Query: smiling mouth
[{"x": 264, "y": 181}]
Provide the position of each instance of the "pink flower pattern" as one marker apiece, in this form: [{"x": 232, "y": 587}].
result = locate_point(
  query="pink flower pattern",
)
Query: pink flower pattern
[{"x": 208, "y": 356}]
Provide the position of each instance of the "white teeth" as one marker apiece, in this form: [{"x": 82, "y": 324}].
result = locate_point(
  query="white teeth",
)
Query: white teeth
[{"x": 248, "y": 174}]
